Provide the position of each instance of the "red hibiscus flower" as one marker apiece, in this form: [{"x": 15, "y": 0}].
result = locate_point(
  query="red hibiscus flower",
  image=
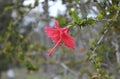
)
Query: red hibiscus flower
[{"x": 59, "y": 36}]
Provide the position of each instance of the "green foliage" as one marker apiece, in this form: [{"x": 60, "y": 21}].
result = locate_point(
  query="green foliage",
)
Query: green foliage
[{"x": 14, "y": 46}]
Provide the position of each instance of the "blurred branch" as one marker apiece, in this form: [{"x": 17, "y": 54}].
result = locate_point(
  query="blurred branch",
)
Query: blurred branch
[
  {"x": 111, "y": 66},
  {"x": 68, "y": 69},
  {"x": 115, "y": 44}
]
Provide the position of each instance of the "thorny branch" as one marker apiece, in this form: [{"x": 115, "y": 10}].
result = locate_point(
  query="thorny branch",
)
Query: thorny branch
[
  {"x": 98, "y": 43},
  {"x": 103, "y": 35}
]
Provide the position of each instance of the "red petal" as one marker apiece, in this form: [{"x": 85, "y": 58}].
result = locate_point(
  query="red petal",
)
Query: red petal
[
  {"x": 56, "y": 24},
  {"x": 50, "y": 32},
  {"x": 68, "y": 40},
  {"x": 65, "y": 30},
  {"x": 53, "y": 34}
]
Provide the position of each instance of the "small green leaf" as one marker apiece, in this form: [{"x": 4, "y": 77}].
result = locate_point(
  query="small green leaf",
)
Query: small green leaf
[
  {"x": 36, "y": 3},
  {"x": 75, "y": 16},
  {"x": 100, "y": 16},
  {"x": 7, "y": 8},
  {"x": 10, "y": 25},
  {"x": 91, "y": 21}
]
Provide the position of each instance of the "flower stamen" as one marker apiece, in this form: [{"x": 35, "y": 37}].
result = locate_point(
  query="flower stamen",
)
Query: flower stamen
[{"x": 52, "y": 50}]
